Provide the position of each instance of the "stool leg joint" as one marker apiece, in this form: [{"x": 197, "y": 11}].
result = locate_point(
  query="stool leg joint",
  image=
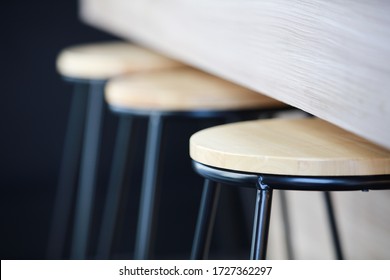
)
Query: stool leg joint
[
  {"x": 261, "y": 185},
  {"x": 261, "y": 221}
]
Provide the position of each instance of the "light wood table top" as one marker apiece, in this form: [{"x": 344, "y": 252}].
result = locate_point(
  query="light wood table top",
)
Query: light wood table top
[
  {"x": 308, "y": 146},
  {"x": 327, "y": 57}
]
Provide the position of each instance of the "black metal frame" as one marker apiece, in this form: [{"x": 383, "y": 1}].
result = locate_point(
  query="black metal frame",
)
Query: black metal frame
[
  {"x": 206, "y": 217},
  {"x": 67, "y": 175},
  {"x": 249, "y": 113},
  {"x": 122, "y": 157},
  {"x": 265, "y": 184},
  {"x": 81, "y": 142},
  {"x": 88, "y": 170}
]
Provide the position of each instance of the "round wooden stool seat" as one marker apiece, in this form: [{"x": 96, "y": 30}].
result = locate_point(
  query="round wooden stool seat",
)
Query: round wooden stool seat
[
  {"x": 299, "y": 147},
  {"x": 183, "y": 89},
  {"x": 101, "y": 61}
]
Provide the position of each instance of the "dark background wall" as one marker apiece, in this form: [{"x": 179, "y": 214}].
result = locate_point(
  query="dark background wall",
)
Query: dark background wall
[
  {"x": 34, "y": 104},
  {"x": 33, "y": 107}
]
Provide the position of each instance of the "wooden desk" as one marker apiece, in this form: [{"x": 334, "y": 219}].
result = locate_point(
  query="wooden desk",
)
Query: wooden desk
[{"x": 330, "y": 58}]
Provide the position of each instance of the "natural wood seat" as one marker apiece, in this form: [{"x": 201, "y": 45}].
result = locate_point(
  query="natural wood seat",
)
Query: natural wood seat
[
  {"x": 101, "y": 61},
  {"x": 183, "y": 89},
  {"x": 310, "y": 147}
]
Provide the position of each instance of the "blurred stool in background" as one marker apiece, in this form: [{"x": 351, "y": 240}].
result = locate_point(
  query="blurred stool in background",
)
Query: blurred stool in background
[
  {"x": 88, "y": 67},
  {"x": 304, "y": 154},
  {"x": 159, "y": 96}
]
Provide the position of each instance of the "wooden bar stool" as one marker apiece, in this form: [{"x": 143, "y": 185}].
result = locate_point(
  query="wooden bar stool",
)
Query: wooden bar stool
[
  {"x": 284, "y": 154},
  {"x": 88, "y": 67},
  {"x": 178, "y": 93}
]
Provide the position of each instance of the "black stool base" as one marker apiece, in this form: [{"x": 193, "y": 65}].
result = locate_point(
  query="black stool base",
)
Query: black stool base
[{"x": 265, "y": 183}]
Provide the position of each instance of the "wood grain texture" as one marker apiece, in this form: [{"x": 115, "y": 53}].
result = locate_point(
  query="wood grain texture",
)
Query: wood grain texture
[
  {"x": 108, "y": 59},
  {"x": 183, "y": 89},
  {"x": 307, "y": 146},
  {"x": 327, "y": 57}
]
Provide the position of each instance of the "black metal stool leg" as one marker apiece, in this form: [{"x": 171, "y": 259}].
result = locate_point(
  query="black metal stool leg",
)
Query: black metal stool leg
[
  {"x": 67, "y": 174},
  {"x": 115, "y": 187},
  {"x": 286, "y": 224},
  {"x": 261, "y": 223},
  {"x": 147, "y": 217},
  {"x": 85, "y": 196},
  {"x": 206, "y": 218},
  {"x": 333, "y": 226}
]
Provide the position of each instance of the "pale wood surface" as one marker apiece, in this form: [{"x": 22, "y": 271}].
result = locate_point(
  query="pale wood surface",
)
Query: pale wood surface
[
  {"x": 108, "y": 59},
  {"x": 327, "y": 57},
  {"x": 308, "y": 146},
  {"x": 182, "y": 89}
]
